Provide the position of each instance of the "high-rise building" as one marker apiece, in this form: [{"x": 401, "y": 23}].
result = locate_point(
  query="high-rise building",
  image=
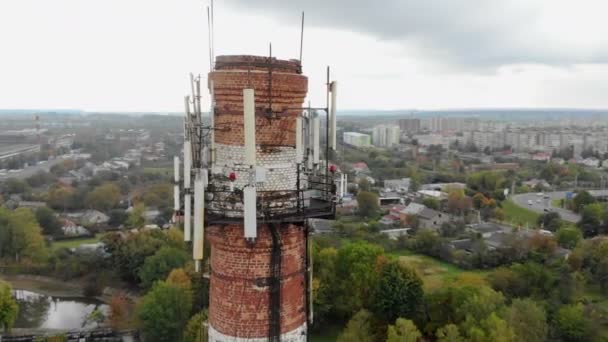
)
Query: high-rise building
[
  {"x": 386, "y": 135},
  {"x": 357, "y": 139},
  {"x": 410, "y": 125}
]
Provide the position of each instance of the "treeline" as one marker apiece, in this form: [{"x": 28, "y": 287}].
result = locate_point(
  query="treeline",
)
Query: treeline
[{"x": 384, "y": 299}]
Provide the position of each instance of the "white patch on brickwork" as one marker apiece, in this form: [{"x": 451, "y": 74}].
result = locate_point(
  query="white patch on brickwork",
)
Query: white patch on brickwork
[{"x": 296, "y": 335}]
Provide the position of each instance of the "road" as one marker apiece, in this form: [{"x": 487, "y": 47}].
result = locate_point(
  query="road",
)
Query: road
[
  {"x": 542, "y": 204},
  {"x": 31, "y": 170}
]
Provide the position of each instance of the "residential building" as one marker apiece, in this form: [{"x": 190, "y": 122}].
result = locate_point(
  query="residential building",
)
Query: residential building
[
  {"x": 386, "y": 135},
  {"x": 357, "y": 139}
]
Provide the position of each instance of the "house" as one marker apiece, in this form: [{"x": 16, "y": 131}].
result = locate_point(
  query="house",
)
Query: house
[
  {"x": 394, "y": 234},
  {"x": 321, "y": 226},
  {"x": 89, "y": 217},
  {"x": 533, "y": 183},
  {"x": 360, "y": 167},
  {"x": 399, "y": 185},
  {"x": 591, "y": 162},
  {"x": 70, "y": 228},
  {"x": 438, "y": 195},
  {"x": 31, "y": 204},
  {"x": 396, "y": 210},
  {"x": 389, "y": 221},
  {"x": 541, "y": 156},
  {"x": 443, "y": 186},
  {"x": 412, "y": 209},
  {"x": 432, "y": 219},
  {"x": 151, "y": 215},
  {"x": 486, "y": 229}
]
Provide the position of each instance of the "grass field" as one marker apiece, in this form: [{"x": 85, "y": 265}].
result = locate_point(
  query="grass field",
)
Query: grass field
[
  {"x": 436, "y": 273},
  {"x": 74, "y": 243},
  {"x": 517, "y": 215}
]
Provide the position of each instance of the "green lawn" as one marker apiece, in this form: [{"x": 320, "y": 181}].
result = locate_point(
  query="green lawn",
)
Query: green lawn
[
  {"x": 74, "y": 243},
  {"x": 517, "y": 215}
]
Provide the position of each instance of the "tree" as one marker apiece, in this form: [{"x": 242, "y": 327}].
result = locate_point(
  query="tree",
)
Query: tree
[
  {"x": 431, "y": 203},
  {"x": 591, "y": 219},
  {"x": 15, "y": 186},
  {"x": 549, "y": 221},
  {"x": 398, "y": 293},
  {"x": 95, "y": 317},
  {"x": 60, "y": 197},
  {"x": 360, "y": 328},
  {"x": 528, "y": 320},
  {"x": 136, "y": 218},
  {"x": 458, "y": 203},
  {"x": 571, "y": 323},
  {"x": 48, "y": 221},
  {"x": 449, "y": 333},
  {"x": 179, "y": 277},
  {"x": 368, "y": 203},
  {"x": 20, "y": 236},
  {"x": 104, "y": 197},
  {"x": 164, "y": 312},
  {"x": 159, "y": 265},
  {"x": 355, "y": 265},
  {"x": 364, "y": 184},
  {"x": 8, "y": 307},
  {"x": 196, "y": 330},
  {"x": 119, "y": 312},
  {"x": 404, "y": 330},
  {"x": 568, "y": 237},
  {"x": 582, "y": 199}
]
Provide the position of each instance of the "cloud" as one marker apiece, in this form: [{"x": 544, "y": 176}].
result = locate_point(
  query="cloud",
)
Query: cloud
[{"x": 477, "y": 34}]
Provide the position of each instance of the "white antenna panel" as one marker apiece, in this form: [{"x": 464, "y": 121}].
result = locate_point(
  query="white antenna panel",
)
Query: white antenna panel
[
  {"x": 316, "y": 136},
  {"x": 176, "y": 169},
  {"x": 299, "y": 151},
  {"x": 332, "y": 127},
  {"x": 187, "y": 164},
  {"x": 199, "y": 209},
  {"x": 250, "y": 212},
  {"x": 249, "y": 125},
  {"x": 187, "y": 218},
  {"x": 176, "y": 197}
]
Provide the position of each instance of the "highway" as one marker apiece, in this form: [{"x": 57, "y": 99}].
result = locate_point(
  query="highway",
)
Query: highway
[{"x": 542, "y": 204}]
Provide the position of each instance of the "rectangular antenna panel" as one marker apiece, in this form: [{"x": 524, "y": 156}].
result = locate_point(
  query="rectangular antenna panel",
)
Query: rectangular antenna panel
[
  {"x": 176, "y": 169},
  {"x": 299, "y": 150},
  {"x": 249, "y": 125},
  {"x": 176, "y": 197},
  {"x": 187, "y": 218},
  {"x": 316, "y": 136},
  {"x": 187, "y": 164},
  {"x": 199, "y": 212},
  {"x": 332, "y": 127},
  {"x": 250, "y": 212}
]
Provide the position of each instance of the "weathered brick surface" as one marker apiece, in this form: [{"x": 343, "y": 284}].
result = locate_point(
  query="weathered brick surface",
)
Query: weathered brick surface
[
  {"x": 233, "y": 74},
  {"x": 239, "y": 294}
]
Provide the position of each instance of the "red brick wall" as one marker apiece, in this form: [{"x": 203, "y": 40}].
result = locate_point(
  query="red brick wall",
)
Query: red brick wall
[
  {"x": 289, "y": 87},
  {"x": 239, "y": 296}
]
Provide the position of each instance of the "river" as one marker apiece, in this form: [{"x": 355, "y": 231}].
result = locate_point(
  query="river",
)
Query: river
[{"x": 38, "y": 311}]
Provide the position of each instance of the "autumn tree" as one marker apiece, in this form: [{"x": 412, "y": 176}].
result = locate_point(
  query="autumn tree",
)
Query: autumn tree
[
  {"x": 179, "y": 277},
  {"x": 360, "y": 328},
  {"x": 60, "y": 197},
  {"x": 21, "y": 236},
  {"x": 404, "y": 330},
  {"x": 104, "y": 197},
  {"x": 119, "y": 316},
  {"x": 368, "y": 203}
]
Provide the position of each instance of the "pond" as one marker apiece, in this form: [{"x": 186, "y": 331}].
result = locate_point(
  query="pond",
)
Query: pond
[{"x": 46, "y": 312}]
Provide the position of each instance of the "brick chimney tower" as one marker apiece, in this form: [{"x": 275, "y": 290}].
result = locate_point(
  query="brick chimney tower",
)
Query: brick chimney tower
[{"x": 258, "y": 286}]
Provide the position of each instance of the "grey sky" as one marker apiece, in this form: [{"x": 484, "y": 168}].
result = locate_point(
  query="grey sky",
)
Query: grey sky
[{"x": 391, "y": 54}]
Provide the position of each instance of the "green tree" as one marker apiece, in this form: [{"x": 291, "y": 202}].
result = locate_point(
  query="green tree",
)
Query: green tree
[
  {"x": 15, "y": 186},
  {"x": 581, "y": 200},
  {"x": 159, "y": 265},
  {"x": 8, "y": 307},
  {"x": 164, "y": 312},
  {"x": 449, "y": 333},
  {"x": 136, "y": 217},
  {"x": 528, "y": 320},
  {"x": 568, "y": 237},
  {"x": 48, "y": 221},
  {"x": 61, "y": 197},
  {"x": 104, "y": 197},
  {"x": 549, "y": 221},
  {"x": 404, "y": 330},
  {"x": 431, "y": 203},
  {"x": 571, "y": 323},
  {"x": 196, "y": 330},
  {"x": 364, "y": 185},
  {"x": 591, "y": 219},
  {"x": 355, "y": 265},
  {"x": 399, "y": 292},
  {"x": 360, "y": 328},
  {"x": 20, "y": 236},
  {"x": 368, "y": 203}
]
